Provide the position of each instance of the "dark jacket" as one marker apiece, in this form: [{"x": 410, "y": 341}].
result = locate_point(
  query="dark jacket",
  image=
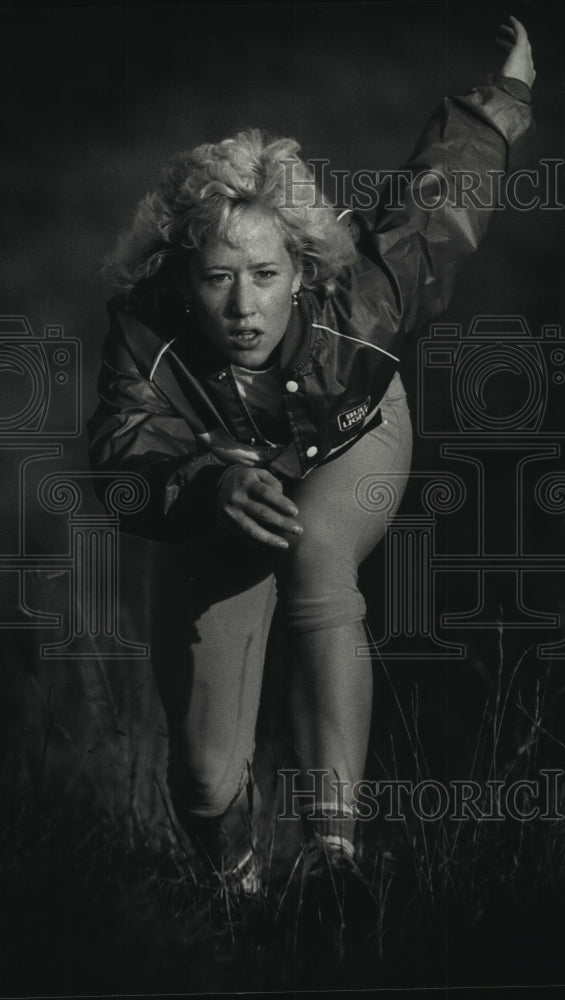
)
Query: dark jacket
[{"x": 169, "y": 406}]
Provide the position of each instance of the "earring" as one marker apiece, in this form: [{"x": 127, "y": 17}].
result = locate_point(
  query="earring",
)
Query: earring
[
  {"x": 295, "y": 298},
  {"x": 186, "y": 307}
]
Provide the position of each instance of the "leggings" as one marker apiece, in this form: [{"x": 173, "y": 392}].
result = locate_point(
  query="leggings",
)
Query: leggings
[{"x": 211, "y": 631}]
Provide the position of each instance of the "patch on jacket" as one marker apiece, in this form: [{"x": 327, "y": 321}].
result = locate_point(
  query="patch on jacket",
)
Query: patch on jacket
[{"x": 349, "y": 418}]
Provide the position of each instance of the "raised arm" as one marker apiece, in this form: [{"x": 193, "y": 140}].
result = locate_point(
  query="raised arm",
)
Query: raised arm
[{"x": 433, "y": 214}]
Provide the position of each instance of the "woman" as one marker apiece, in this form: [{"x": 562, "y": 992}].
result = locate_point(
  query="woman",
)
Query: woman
[{"x": 250, "y": 375}]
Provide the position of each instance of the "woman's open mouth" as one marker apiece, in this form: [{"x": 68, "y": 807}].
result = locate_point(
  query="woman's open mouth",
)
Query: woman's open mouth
[{"x": 246, "y": 338}]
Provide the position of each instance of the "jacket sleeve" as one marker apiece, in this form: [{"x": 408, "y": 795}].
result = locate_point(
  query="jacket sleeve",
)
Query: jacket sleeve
[
  {"x": 135, "y": 429},
  {"x": 433, "y": 214}
]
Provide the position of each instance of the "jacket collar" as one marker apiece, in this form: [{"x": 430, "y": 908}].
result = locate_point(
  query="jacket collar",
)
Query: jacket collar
[
  {"x": 155, "y": 319},
  {"x": 296, "y": 345}
]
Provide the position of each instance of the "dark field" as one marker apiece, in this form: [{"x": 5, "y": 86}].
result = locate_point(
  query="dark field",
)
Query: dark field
[{"x": 100, "y": 891}]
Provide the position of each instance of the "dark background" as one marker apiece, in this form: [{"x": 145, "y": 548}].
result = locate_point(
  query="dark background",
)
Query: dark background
[{"x": 96, "y": 99}]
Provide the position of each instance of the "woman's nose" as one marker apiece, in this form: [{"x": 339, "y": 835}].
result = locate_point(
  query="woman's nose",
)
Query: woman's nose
[{"x": 242, "y": 300}]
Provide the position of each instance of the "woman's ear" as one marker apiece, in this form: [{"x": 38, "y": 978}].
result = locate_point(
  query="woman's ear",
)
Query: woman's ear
[{"x": 296, "y": 283}]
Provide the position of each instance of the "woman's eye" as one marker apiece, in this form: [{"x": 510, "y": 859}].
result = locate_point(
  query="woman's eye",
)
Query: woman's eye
[
  {"x": 266, "y": 274},
  {"x": 217, "y": 279}
]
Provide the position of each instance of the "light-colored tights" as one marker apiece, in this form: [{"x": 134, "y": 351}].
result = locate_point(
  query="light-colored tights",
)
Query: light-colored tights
[{"x": 210, "y": 637}]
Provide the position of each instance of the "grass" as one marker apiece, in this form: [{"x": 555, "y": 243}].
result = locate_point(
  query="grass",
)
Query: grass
[{"x": 93, "y": 902}]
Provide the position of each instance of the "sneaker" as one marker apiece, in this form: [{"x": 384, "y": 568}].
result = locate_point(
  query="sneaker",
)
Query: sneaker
[
  {"x": 245, "y": 878},
  {"x": 336, "y": 902}
]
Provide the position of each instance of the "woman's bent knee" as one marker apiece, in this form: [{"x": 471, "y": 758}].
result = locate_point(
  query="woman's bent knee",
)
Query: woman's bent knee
[
  {"x": 317, "y": 583},
  {"x": 205, "y": 784}
]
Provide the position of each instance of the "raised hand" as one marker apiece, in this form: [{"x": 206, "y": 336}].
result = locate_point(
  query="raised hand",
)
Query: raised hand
[{"x": 513, "y": 38}]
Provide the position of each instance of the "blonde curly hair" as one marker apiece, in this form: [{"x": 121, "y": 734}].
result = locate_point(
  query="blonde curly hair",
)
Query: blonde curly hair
[{"x": 202, "y": 192}]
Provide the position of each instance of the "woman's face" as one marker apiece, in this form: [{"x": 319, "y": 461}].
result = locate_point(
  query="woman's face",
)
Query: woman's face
[{"x": 241, "y": 291}]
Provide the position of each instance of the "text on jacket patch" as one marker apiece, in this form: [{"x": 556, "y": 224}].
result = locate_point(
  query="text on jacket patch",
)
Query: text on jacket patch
[{"x": 352, "y": 417}]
